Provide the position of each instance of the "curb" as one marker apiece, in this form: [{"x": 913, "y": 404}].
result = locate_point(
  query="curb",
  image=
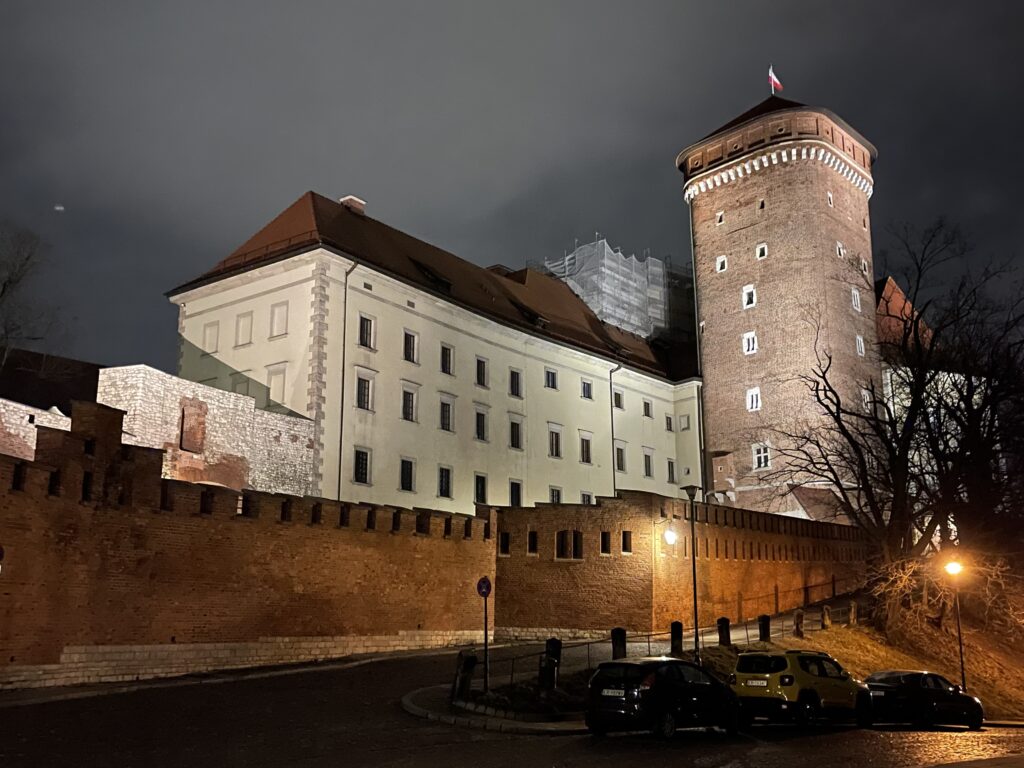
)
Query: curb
[
  {"x": 1003, "y": 724},
  {"x": 496, "y": 724}
]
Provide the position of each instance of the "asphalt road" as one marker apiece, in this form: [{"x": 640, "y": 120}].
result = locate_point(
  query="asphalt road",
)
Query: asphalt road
[{"x": 352, "y": 717}]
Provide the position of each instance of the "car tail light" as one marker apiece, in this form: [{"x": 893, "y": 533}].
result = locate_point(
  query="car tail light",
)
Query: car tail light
[
  {"x": 786, "y": 680},
  {"x": 647, "y": 683},
  {"x": 732, "y": 679}
]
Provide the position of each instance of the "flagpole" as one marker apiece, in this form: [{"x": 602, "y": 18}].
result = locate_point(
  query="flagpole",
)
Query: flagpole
[{"x": 771, "y": 79}]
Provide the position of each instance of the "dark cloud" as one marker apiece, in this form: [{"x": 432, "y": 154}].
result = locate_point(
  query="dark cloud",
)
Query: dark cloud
[{"x": 171, "y": 131}]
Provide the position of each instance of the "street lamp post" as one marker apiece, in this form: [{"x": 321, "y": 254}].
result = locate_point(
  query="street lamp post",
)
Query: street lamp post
[
  {"x": 691, "y": 494},
  {"x": 953, "y": 568}
]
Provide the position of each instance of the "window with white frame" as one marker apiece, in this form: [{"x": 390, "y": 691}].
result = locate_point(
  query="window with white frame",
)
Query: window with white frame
[
  {"x": 648, "y": 409},
  {"x": 721, "y": 264},
  {"x": 211, "y": 334},
  {"x": 761, "y": 251},
  {"x": 668, "y": 422},
  {"x": 446, "y": 419},
  {"x": 240, "y": 382},
  {"x": 408, "y": 404},
  {"x": 586, "y": 389},
  {"x": 366, "y": 332},
  {"x": 554, "y": 440},
  {"x": 447, "y": 355},
  {"x": 480, "y": 426},
  {"x": 407, "y": 475},
  {"x": 515, "y": 499},
  {"x": 480, "y": 488},
  {"x": 828, "y": 196},
  {"x": 364, "y": 392},
  {"x": 864, "y": 266},
  {"x": 515, "y": 432},
  {"x": 866, "y": 399},
  {"x": 855, "y": 298},
  {"x": 860, "y": 346},
  {"x": 481, "y": 372},
  {"x": 762, "y": 456},
  {"x": 410, "y": 347},
  {"x": 620, "y": 456},
  {"x": 585, "y": 445},
  {"x": 515, "y": 382},
  {"x": 361, "y": 466},
  {"x": 749, "y": 296},
  {"x": 648, "y": 462},
  {"x": 754, "y": 399},
  {"x": 243, "y": 329},
  {"x": 749, "y": 342},
  {"x": 555, "y": 494},
  {"x": 279, "y": 319},
  {"x": 444, "y": 482},
  {"x": 617, "y": 399},
  {"x": 671, "y": 471},
  {"x": 586, "y": 497},
  {"x": 550, "y": 378},
  {"x": 840, "y": 249},
  {"x": 275, "y": 382},
  {"x": 719, "y": 218},
  {"x": 684, "y": 422}
]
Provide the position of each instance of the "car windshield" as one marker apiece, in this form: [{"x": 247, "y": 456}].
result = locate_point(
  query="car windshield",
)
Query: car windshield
[{"x": 760, "y": 664}]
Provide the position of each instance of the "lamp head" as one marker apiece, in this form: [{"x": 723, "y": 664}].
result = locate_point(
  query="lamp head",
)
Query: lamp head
[
  {"x": 690, "y": 491},
  {"x": 953, "y": 567},
  {"x": 670, "y": 537}
]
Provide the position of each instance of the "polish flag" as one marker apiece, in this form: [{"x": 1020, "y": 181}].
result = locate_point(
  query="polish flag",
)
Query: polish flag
[{"x": 773, "y": 81}]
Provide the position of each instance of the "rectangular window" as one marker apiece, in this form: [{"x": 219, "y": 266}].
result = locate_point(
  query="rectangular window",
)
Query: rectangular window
[
  {"x": 648, "y": 409},
  {"x": 585, "y": 450},
  {"x": 606, "y": 542},
  {"x": 761, "y": 251},
  {"x": 504, "y": 543},
  {"x": 754, "y": 399},
  {"x": 480, "y": 489},
  {"x": 515, "y": 382},
  {"x": 668, "y": 422},
  {"x": 855, "y": 298},
  {"x": 446, "y": 359},
  {"x": 406, "y": 475},
  {"x": 762, "y": 457},
  {"x": 410, "y": 347},
  {"x": 211, "y": 332},
  {"x": 864, "y": 266},
  {"x": 749, "y": 296},
  {"x": 627, "y": 542},
  {"x": 648, "y": 462},
  {"x": 446, "y": 417},
  {"x": 481, "y": 425},
  {"x": 515, "y": 493},
  {"x": 531, "y": 542},
  {"x": 586, "y": 498},
  {"x": 365, "y": 332},
  {"x": 555, "y": 494},
  {"x": 554, "y": 442},
  {"x": 684, "y": 422},
  {"x": 586, "y": 389},
  {"x": 840, "y": 249},
  {"x": 671, "y": 471},
  {"x": 620, "y": 458},
  {"x": 860, "y": 346},
  {"x": 749, "y": 342},
  {"x": 408, "y": 405},
  {"x": 243, "y": 329},
  {"x": 550, "y": 378},
  {"x": 362, "y": 393},
  {"x": 444, "y": 482},
  {"x": 721, "y": 264},
  {"x": 617, "y": 399},
  {"x": 515, "y": 434},
  {"x": 361, "y": 467},
  {"x": 275, "y": 383},
  {"x": 829, "y": 198},
  {"x": 481, "y": 372},
  {"x": 866, "y": 400},
  {"x": 719, "y": 218},
  {"x": 240, "y": 382},
  {"x": 278, "y": 319}
]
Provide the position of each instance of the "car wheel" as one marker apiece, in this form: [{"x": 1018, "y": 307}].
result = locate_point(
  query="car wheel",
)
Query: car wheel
[
  {"x": 732, "y": 722},
  {"x": 808, "y": 708},
  {"x": 975, "y": 720},
  {"x": 863, "y": 712},
  {"x": 665, "y": 726}
]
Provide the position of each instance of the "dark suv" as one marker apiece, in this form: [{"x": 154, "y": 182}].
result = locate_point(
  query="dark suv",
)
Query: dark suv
[
  {"x": 922, "y": 698},
  {"x": 658, "y": 694}
]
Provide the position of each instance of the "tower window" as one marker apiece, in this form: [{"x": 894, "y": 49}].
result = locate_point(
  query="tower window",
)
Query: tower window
[
  {"x": 760, "y": 204},
  {"x": 830, "y": 203},
  {"x": 749, "y": 342},
  {"x": 840, "y": 249},
  {"x": 762, "y": 456},
  {"x": 855, "y": 298},
  {"x": 749, "y": 296},
  {"x": 761, "y": 251},
  {"x": 754, "y": 399},
  {"x": 864, "y": 266},
  {"x": 866, "y": 400},
  {"x": 719, "y": 218},
  {"x": 860, "y": 346},
  {"x": 721, "y": 264}
]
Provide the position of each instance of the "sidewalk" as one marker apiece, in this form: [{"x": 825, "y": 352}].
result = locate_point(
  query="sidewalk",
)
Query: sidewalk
[{"x": 431, "y": 703}]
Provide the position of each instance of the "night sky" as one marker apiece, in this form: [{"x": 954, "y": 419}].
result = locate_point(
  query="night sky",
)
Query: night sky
[{"x": 170, "y": 132}]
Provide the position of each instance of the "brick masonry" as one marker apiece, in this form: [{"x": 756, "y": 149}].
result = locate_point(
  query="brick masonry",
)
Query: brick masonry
[{"x": 18, "y": 427}]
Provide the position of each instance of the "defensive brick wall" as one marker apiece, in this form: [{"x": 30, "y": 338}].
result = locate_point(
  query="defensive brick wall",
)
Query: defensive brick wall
[
  {"x": 111, "y": 573},
  {"x": 747, "y": 563}
]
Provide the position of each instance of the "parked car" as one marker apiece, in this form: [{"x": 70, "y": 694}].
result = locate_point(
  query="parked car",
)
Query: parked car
[
  {"x": 798, "y": 686},
  {"x": 659, "y": 694},
  {"x": 922, "y": 698}
]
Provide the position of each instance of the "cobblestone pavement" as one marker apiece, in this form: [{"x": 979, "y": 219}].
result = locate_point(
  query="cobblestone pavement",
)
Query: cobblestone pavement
[{"x": 352, "y": 717}]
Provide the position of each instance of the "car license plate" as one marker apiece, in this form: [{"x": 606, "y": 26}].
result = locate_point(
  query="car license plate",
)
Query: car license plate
[
  {"x": 757, "y": 683},
  {"x": 878, "y": 693},
  {"x": 613, "y": 692}
]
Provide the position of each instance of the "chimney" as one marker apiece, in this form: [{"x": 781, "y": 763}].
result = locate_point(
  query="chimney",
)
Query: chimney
[{"x": 354, "y": 204}]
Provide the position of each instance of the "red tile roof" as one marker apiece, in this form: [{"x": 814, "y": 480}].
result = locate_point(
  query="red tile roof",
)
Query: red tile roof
[{"x": 529, "y": 300}]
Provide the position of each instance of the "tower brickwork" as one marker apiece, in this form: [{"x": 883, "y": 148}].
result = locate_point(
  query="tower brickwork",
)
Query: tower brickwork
[{"x": 781, "y": 233}]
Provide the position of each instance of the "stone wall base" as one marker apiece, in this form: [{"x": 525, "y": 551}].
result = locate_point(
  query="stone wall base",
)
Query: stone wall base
[
  {"x": 510, "y": 634},
  {"x": 82, "y": 664}
]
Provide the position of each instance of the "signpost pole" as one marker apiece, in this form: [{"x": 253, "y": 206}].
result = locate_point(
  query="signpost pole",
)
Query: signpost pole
[{"x": 487, "y": 659}]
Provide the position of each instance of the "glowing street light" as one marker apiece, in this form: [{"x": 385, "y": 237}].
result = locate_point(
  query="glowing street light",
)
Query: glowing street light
[
  {"x": 670, "y": 537},
  {"x": 954, "y": 568}
]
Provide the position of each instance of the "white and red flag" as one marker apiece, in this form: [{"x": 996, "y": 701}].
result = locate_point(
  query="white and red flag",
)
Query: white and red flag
[{"x": 773, "y": 81}]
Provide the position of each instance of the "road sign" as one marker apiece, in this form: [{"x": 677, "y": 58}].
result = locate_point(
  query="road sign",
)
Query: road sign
[{"x": 483, "y": 587}]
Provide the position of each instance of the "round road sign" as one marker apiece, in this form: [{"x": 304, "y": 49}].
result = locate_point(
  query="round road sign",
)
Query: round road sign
[{"x": 483, "y": 587}]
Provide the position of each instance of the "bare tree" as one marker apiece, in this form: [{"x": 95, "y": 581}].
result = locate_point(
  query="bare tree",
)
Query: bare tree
[{"x": 22, "y": 321}]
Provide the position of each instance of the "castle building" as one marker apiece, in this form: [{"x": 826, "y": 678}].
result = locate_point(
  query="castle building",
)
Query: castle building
[{"x": 779, "y": 218}]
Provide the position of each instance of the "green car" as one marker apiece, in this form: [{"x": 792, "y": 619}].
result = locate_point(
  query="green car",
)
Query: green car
[{"x": 798, "y": 686}]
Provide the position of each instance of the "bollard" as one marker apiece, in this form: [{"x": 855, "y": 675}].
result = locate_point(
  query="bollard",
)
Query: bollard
[
  {"x": 764, "y": 628},
  {"x": 553, "y": 648},
  {"x": 798, "y": 622},
  {"x": 826, "y": 617},
  {"x": 465, "y": 663},
  {"x": 618, "y": 643},
  {"x": 852, "y": 620},
  {"x": 676, "y": 632},
  {"x": 547, "y": 674},
  {"x": 724, "y": 635}
]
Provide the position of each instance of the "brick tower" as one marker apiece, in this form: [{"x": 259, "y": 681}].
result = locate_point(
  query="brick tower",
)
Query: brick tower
[{"x": 782, "y": 262}]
